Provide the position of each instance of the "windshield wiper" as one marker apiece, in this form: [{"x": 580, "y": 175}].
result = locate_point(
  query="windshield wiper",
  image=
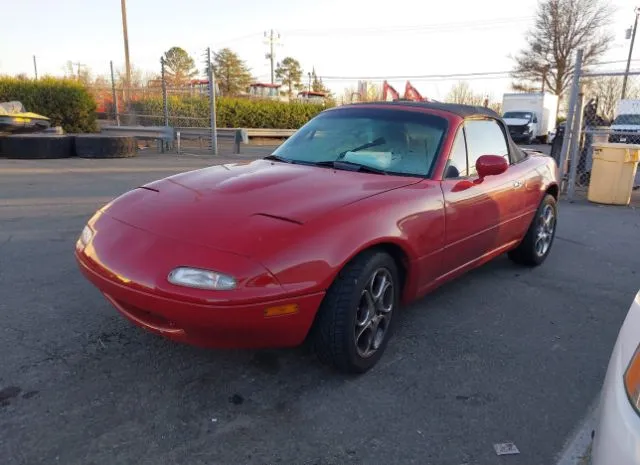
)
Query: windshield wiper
[
  {"x": 350, "y": 166},
  {"x": 277, "y": 158},
  {"x": 336, "y": 164},
  {"x": 374, "y": 143}
]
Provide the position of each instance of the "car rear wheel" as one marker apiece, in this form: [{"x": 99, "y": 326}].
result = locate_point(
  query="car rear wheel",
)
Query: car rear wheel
[
  {"x": 536, "y": 245},
  {"x": 354, "y": 322}
]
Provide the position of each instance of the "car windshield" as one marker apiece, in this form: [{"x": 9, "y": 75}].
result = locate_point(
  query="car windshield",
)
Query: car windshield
[
  {"x": 633, "y": 120},
  {"x": 389, "y": 141},
  {"x": 517, "y": 115}
]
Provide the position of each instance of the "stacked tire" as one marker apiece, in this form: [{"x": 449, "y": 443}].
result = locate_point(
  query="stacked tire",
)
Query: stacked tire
[
  {"x": 36, "y": 146},
  {"x": 51, "y": 146},
  {"x": 103, "y": 146}
]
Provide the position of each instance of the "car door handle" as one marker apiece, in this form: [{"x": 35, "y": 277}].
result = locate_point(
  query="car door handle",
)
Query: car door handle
[{"x": 517, "y": 184}]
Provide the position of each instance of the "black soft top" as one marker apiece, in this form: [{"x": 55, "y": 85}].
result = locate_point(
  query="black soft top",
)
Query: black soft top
[{"x": 463, "y": 111}]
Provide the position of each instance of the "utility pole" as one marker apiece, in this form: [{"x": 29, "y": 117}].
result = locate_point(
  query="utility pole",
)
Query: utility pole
[
  {"x": 78, "y": 64},
  {"x": 272, "y": 39},
  {"x": 35, "y": 67},
  {"x": 212, "y": 103},
  {"x": 633, "y": 38},
  {"x": 127, "y": 64}
]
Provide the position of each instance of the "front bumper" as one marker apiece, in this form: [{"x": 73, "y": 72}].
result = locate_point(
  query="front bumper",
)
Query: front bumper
[
  {"x": 617, "y": 434},
  {"x": 626, "y": 138},
  {"x": 520, "y": 137},
  {"x": 129, "y": 266}
]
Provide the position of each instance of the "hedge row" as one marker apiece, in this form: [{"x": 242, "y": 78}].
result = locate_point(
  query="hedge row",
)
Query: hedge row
[
  {"x": 64, "y": 101},
  {"x": 230, "y": 112}
]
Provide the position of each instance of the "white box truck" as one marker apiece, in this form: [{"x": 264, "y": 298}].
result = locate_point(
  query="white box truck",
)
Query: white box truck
[{"x": 530, "y": 116}]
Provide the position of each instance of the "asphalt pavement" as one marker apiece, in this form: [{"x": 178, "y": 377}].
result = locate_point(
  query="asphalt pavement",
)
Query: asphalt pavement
[{"x": 504, "y": 354}]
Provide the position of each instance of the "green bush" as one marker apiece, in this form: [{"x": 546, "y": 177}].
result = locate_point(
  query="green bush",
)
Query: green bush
[
  {"x": 64, "y": 101},
  {"x": 230, "y": 112}
]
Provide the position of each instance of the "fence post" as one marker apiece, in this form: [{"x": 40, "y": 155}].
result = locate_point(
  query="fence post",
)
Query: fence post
[
  {"x": 573, "y": 100},
  {"x": 212, "y": 103},
  {"x": 165, "y": 108},
  {"x": 575, "y": 146},
  {"x": 114, "y": 96}
]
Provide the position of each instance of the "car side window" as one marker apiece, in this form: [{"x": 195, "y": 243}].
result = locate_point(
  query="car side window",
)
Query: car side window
[
  {"x": 457, "y": 163},
  {"x": 484, "y": 137}
]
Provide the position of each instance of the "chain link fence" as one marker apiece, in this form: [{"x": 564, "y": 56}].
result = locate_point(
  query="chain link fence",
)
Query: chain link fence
[
  {"x": 159, "y": 102},
  {"x": 604, "y": 106}
]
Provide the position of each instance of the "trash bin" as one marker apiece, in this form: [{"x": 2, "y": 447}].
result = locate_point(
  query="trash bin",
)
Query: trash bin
[{"x": 613, "y": 173}]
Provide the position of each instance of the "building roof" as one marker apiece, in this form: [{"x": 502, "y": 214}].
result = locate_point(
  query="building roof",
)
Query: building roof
[
  {"x": 265, "y": 84},
  {"x": 456, "y": 109}
]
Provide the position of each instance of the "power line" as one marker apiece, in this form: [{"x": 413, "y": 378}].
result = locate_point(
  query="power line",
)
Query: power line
[
  {"x": 415, "y": 28},
  {"x": 477, "y": 24},
  {"x": 485, "y": 74},
  {"x": 496, "y": 74},
  {"x": 240, "y": 38}
]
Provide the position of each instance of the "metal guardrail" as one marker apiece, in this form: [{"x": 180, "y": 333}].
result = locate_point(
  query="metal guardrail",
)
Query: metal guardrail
[
  {"x": 230, "y": 132},
  {"x": 164, "y": 133},
  {"x": 167, "y": 134},
  {"x": 270, "y": 133}
]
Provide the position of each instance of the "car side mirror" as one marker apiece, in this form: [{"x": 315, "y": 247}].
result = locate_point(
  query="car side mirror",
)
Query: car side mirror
[{"x": 491, "y": 165}]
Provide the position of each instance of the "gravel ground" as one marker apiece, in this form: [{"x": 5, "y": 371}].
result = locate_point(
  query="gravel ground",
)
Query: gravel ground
[{"x": 503, "y": 354}]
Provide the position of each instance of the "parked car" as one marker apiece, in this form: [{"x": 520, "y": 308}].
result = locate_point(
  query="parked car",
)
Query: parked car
[
  {"x": 617, "y": 434},
  {"x": 365, "y": 207}
]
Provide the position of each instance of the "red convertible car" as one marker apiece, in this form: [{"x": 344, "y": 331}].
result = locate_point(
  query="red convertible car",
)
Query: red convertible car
[{"x": 365, "y": 208}]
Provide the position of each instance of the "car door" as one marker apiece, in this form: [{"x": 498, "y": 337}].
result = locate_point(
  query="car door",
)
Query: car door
[{"x": 477, "y": 213}]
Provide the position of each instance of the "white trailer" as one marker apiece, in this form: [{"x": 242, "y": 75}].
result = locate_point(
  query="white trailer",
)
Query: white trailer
[{"x": 530, "y": 116}]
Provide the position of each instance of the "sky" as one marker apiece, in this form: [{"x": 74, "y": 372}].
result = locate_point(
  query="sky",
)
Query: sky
[{"x": 342, "y": 39}]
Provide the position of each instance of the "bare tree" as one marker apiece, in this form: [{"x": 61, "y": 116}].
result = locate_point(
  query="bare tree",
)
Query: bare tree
[
  {"x": 561, "y": 28},
  {"x": 524, "y": 87},
  {"x": 462, "y": 94},
  {"x": 139, "y": 77},
  {"x": 374, "y": 93},
  {"x": 77, "y": 71},
  {"x": 607, "y": 91}
]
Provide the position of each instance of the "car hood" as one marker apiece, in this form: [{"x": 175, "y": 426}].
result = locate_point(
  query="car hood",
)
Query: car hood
[
  {"x": 219, "y": 206},
  {"x": 516, "y": 121}
]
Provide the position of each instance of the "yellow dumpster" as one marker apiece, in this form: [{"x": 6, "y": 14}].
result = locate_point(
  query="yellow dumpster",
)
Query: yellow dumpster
[{"x": 613, "y": 173}]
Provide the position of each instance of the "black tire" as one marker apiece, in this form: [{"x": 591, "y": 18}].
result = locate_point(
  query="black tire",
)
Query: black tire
[
  {"x": 103, "y": 146},
  {"x": 333, "y": 337},
  {"x": 528, "y": 252},
  {"x": 36, "y": 146}
]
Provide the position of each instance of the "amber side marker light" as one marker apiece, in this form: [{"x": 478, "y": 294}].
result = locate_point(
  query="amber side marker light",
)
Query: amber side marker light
[
  {"x": 632, "y": 380},
  {"x": 281, "y": 310}
]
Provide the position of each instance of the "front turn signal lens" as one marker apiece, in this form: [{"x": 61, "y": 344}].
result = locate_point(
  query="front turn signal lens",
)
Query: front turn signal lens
[
  {"x": 201, "y": 279},
  {"x": 281, "y": 310},
  {"x": 632, "y": 380}
]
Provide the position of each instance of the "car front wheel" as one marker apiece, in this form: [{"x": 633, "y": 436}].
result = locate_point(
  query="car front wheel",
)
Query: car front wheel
[
  {"x": 355, "y": 320},
  {"x": 537, "y": 242}
]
